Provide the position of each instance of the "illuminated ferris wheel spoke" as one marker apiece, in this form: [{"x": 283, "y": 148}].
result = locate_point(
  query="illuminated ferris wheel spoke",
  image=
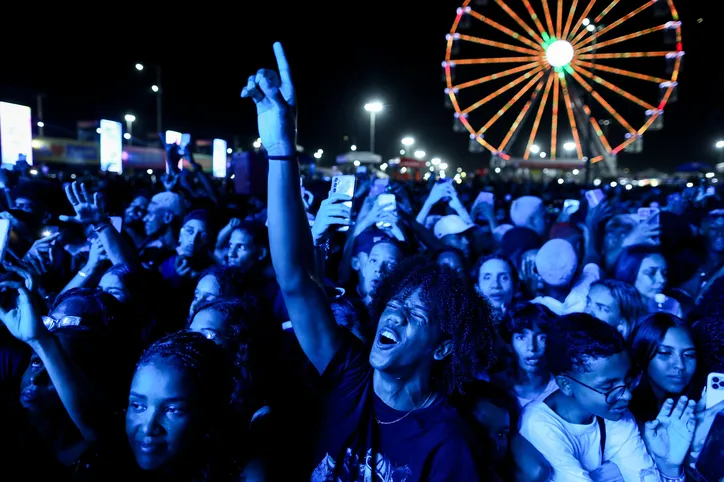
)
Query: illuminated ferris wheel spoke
[
  {"x": 674, "y": 12},
  {"x": 603, "y": 102},
  {"x": 624, "y": 55},
  {"x": 539, "y": 115},
  {"x": 535, "y": 18},
  {"x": 521, "y": 115},
  {"x": 497, "y": 60},
  {"x": 549, "y": 19},
  {"x": 554, "y": 123},
  {"x": 623, "y": 38},
  {"x": 559, "y": 19},
  {"x": 626, "y": 73},
  {"x": 571, "y": 117},
  {"x": 613, "y": 88},
  {"x": 505, "y": 30},
  {"x": 510, "y": 103},
  {"x": 520, "y": 21},
  {"x": 502, "y": 90},
  {"x": 569, "y": 20},
  {"x": 605, "y": 11},
  {"x": 497, "y": 75},
  {"x": 579, "y": 23},
  {"x": 500, "y": 45},
  {"x": 615, "y": 24}
]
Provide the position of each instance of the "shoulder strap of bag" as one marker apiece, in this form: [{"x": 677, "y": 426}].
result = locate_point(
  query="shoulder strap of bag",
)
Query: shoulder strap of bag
[{"x": 602, "y": 429}]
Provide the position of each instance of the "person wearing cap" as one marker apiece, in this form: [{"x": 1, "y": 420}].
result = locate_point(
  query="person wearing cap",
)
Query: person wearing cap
[
  {"x": 162, "y": 222},
  {"x": 452, "y": 231},
  {"x": 528, "y": 212}
]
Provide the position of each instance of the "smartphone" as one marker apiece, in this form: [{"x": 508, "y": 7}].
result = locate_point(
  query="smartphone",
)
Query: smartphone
[
  {"x": 387, "y": 202},
  {"x": 379, "y": 186},
  {"x": 570, "y": 206},
  {"x": 709, "y": 464},
  {"x": 651, "y": 216},
  {"x": 4, "y": 236},
  {"x": 345, "y": 185},
  {"x": 48, "y": 231},
  {"x": 714, "y": 389},
  {"x": 173, "y": 137},
  {"x": 117, "y": 223},
  {"x": 594, "y": 198}
]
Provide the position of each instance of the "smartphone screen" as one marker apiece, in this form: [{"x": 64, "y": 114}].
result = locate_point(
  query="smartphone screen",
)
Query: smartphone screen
[
  {"x": 594, "y": 197},
  {"x": 173, "y": 137},
  {"x": 346, "y": 185},
  {"x": 4, "y": 236},
  {"x": 117, "y": 223}
]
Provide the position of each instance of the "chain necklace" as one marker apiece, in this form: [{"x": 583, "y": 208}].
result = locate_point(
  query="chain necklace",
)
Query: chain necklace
[{"x": 405, "y": 415}]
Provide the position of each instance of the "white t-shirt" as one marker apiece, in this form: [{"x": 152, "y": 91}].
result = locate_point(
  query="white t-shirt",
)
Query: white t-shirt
[
  {"x": 550, "y": 388},
  {"x": 575, "y": 450}
]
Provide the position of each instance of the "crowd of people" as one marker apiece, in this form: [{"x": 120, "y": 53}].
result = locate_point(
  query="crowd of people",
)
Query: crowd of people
[{"x": 445, "y": 336}]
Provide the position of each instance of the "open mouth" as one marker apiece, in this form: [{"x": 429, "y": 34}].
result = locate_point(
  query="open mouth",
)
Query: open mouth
[{"x": 388, "y": 338}]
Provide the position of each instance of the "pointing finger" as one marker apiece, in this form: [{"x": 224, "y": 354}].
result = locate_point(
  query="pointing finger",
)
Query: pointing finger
[{"x": 287, "y": 87}]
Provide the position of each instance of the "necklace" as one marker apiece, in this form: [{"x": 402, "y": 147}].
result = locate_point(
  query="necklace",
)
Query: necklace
[{"x": 405, "y": 415}]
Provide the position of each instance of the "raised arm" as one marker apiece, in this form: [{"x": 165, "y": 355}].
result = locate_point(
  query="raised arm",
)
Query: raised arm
[{"x": 290, "y": 238}]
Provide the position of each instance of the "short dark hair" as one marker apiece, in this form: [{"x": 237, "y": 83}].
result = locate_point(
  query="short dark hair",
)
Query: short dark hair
[
  {"x": 577, "y": 339},
  {"x": 525, "y": 316}
]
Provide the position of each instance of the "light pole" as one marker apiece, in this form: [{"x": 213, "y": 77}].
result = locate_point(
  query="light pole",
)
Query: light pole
[
  {"x": 720, "y": 146},
  {"x": 373, "y": 108},
  {"x": 158, "y": 90},
  {"x": 129, "y": 126},
  {"x": 41, "y": 123}
]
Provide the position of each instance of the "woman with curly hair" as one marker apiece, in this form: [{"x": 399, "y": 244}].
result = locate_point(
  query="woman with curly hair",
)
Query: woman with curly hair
[{"x": 385, "y": 414}]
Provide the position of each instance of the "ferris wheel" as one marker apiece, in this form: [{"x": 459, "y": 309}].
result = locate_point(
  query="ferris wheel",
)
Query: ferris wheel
[{"x": 562, "y": 84}]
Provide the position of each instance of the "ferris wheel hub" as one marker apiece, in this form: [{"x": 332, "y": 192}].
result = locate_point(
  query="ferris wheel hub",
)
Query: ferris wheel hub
[{"x": 559, "y": 53}]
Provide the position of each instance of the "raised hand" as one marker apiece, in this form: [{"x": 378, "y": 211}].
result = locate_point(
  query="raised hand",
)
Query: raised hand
[
  {"x": 276, "y": 104},
  {"x": 705, "y": 419},
  {"x": 23, "y": 322},
  {"x": 88, "y": 207},
  {"x": 669, "y": 437},
  {"x": 332, "y": 212}
]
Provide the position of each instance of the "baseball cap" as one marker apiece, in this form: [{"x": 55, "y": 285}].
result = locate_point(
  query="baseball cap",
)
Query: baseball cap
[
  {"x": 452, "y": 224},
  {"x": 369, "y": 237},
  {"x": 523, "y": 208}
]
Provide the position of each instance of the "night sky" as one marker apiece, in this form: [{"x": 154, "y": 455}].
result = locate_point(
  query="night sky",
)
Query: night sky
[{"x": 342, "y": 55}]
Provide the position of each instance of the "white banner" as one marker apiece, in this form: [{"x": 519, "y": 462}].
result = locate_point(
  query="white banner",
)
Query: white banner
[
  {"x": 219, "y": 158},
  {"x": 16, "y": 133},
  {"x": 111, "y": 146}
]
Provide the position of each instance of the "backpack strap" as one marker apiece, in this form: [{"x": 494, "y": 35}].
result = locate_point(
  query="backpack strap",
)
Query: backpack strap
[{"x": 602, "y": 429}]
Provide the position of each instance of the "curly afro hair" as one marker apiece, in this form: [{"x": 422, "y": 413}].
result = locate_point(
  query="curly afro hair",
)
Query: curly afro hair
[
  {"x": 575, "y": 340},
  {"x": 462, "y": 316}
]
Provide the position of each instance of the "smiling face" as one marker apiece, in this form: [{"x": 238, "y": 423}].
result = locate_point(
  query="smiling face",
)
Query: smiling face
[{"x": 408, "y": 339}]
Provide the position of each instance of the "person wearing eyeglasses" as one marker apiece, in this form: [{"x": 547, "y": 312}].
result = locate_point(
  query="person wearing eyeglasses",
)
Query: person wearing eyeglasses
[{"x": 585, "y": 429}]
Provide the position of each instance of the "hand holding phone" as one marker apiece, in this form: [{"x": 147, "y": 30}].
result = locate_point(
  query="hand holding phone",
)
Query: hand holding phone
[
  {"x": 594, "y": 198},
  {"x": 345, "y": 185},
  {"x": 4, "y": 237}
]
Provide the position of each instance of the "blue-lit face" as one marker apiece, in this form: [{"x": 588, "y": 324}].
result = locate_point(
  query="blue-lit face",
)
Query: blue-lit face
[{"x": 164, "y": 420}]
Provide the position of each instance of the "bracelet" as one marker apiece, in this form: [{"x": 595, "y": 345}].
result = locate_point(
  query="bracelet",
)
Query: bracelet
[
  {"x": 679, "y": 478},
  {"x": 293, "y": 157}
]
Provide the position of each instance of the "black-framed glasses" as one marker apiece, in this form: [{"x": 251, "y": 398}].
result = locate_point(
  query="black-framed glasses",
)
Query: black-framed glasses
[{"x": 616, "y": 393}]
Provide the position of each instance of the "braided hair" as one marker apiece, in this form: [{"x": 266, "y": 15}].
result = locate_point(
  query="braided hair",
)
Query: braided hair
[{"x": 463, "y": 316}]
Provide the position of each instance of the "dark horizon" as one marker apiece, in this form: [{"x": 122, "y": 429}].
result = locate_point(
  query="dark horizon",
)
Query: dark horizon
[{"x": 341, "y": 58}]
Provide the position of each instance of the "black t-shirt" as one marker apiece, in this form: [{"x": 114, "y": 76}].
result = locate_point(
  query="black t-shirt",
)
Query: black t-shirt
[{"x": 432, "y": 444}]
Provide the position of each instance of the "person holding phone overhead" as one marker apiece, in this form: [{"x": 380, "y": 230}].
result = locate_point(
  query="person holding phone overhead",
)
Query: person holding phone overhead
[{"x": 386, "y": 416}]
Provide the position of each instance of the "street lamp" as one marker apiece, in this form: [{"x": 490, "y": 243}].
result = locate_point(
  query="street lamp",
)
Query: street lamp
[
  {"x": 535, "y": 148},
  {"x": 130, "y": 119},
  {"x": 569, "y": 146},
  {"x": 420, "y": 154},
  {"x": 720, "y": 145},
  {"x": 407, "y": 141},
  {"x": 158, "y": 90},
  {"x": 373, "y": 108}
]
